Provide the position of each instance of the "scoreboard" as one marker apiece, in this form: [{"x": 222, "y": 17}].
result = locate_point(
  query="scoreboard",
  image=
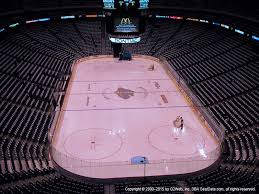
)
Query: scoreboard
[
  {"x": 125, "y": 17},
  {"x": 115, "y": 4},
  {"x": 126, "y": 3}
]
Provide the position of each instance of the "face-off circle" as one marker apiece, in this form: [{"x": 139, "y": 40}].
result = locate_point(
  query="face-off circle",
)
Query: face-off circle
[
  {"x": 173, "y": 141},
  {"x": 92, "y": 144}
]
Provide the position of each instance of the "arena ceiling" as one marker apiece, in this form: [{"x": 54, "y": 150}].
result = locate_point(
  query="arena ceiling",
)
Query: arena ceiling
[{"x": 243, "y": 8}]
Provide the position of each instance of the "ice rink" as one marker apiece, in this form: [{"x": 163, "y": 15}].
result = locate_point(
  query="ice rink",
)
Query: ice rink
[{"x": 116, "y": 110}]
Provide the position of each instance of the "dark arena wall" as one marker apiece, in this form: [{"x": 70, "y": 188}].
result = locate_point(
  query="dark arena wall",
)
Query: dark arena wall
[{"x": 220, "y": 66}]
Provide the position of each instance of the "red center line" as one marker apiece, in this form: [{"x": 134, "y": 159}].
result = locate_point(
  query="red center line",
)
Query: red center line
[
  {"x": 152, "y": 92},
  {"x": 133, "y": 80}
]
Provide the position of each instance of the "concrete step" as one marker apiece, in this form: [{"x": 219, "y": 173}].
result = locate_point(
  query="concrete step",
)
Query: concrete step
[
  {"x": 38, "y": 164},
  {"x": 17, "y": 166},
  {"x": 24, "y": 165},
  {"x": 31, "y": 166},
  {"x": 2, "y": 166},
  {"x": 112, "y": 189},
  {"x": 109, "y": 189},
  {"x": 9, "y": 166}
]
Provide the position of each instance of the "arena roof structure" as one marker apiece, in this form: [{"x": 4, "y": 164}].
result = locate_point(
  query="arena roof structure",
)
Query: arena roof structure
[{"x": 241, "y": 8}]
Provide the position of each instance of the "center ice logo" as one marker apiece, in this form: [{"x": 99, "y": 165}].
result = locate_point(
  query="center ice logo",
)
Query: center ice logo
[{"x": 124, "y": 93}]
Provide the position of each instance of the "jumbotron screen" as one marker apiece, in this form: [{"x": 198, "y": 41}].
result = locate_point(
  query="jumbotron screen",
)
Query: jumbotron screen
[{"x": 126, "y": 25}]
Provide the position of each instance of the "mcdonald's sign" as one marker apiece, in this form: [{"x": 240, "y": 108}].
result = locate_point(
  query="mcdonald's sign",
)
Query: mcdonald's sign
[
  {"x": 125, "y": 21},
  {"x": 126, "y": 25}
]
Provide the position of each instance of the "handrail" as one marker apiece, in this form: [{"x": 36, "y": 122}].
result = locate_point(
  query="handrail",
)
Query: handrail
[{"x": 62, "y": 159}]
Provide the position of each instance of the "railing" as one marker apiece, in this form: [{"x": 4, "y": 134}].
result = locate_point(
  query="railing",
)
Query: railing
[{"x": 98, "y": 169}]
